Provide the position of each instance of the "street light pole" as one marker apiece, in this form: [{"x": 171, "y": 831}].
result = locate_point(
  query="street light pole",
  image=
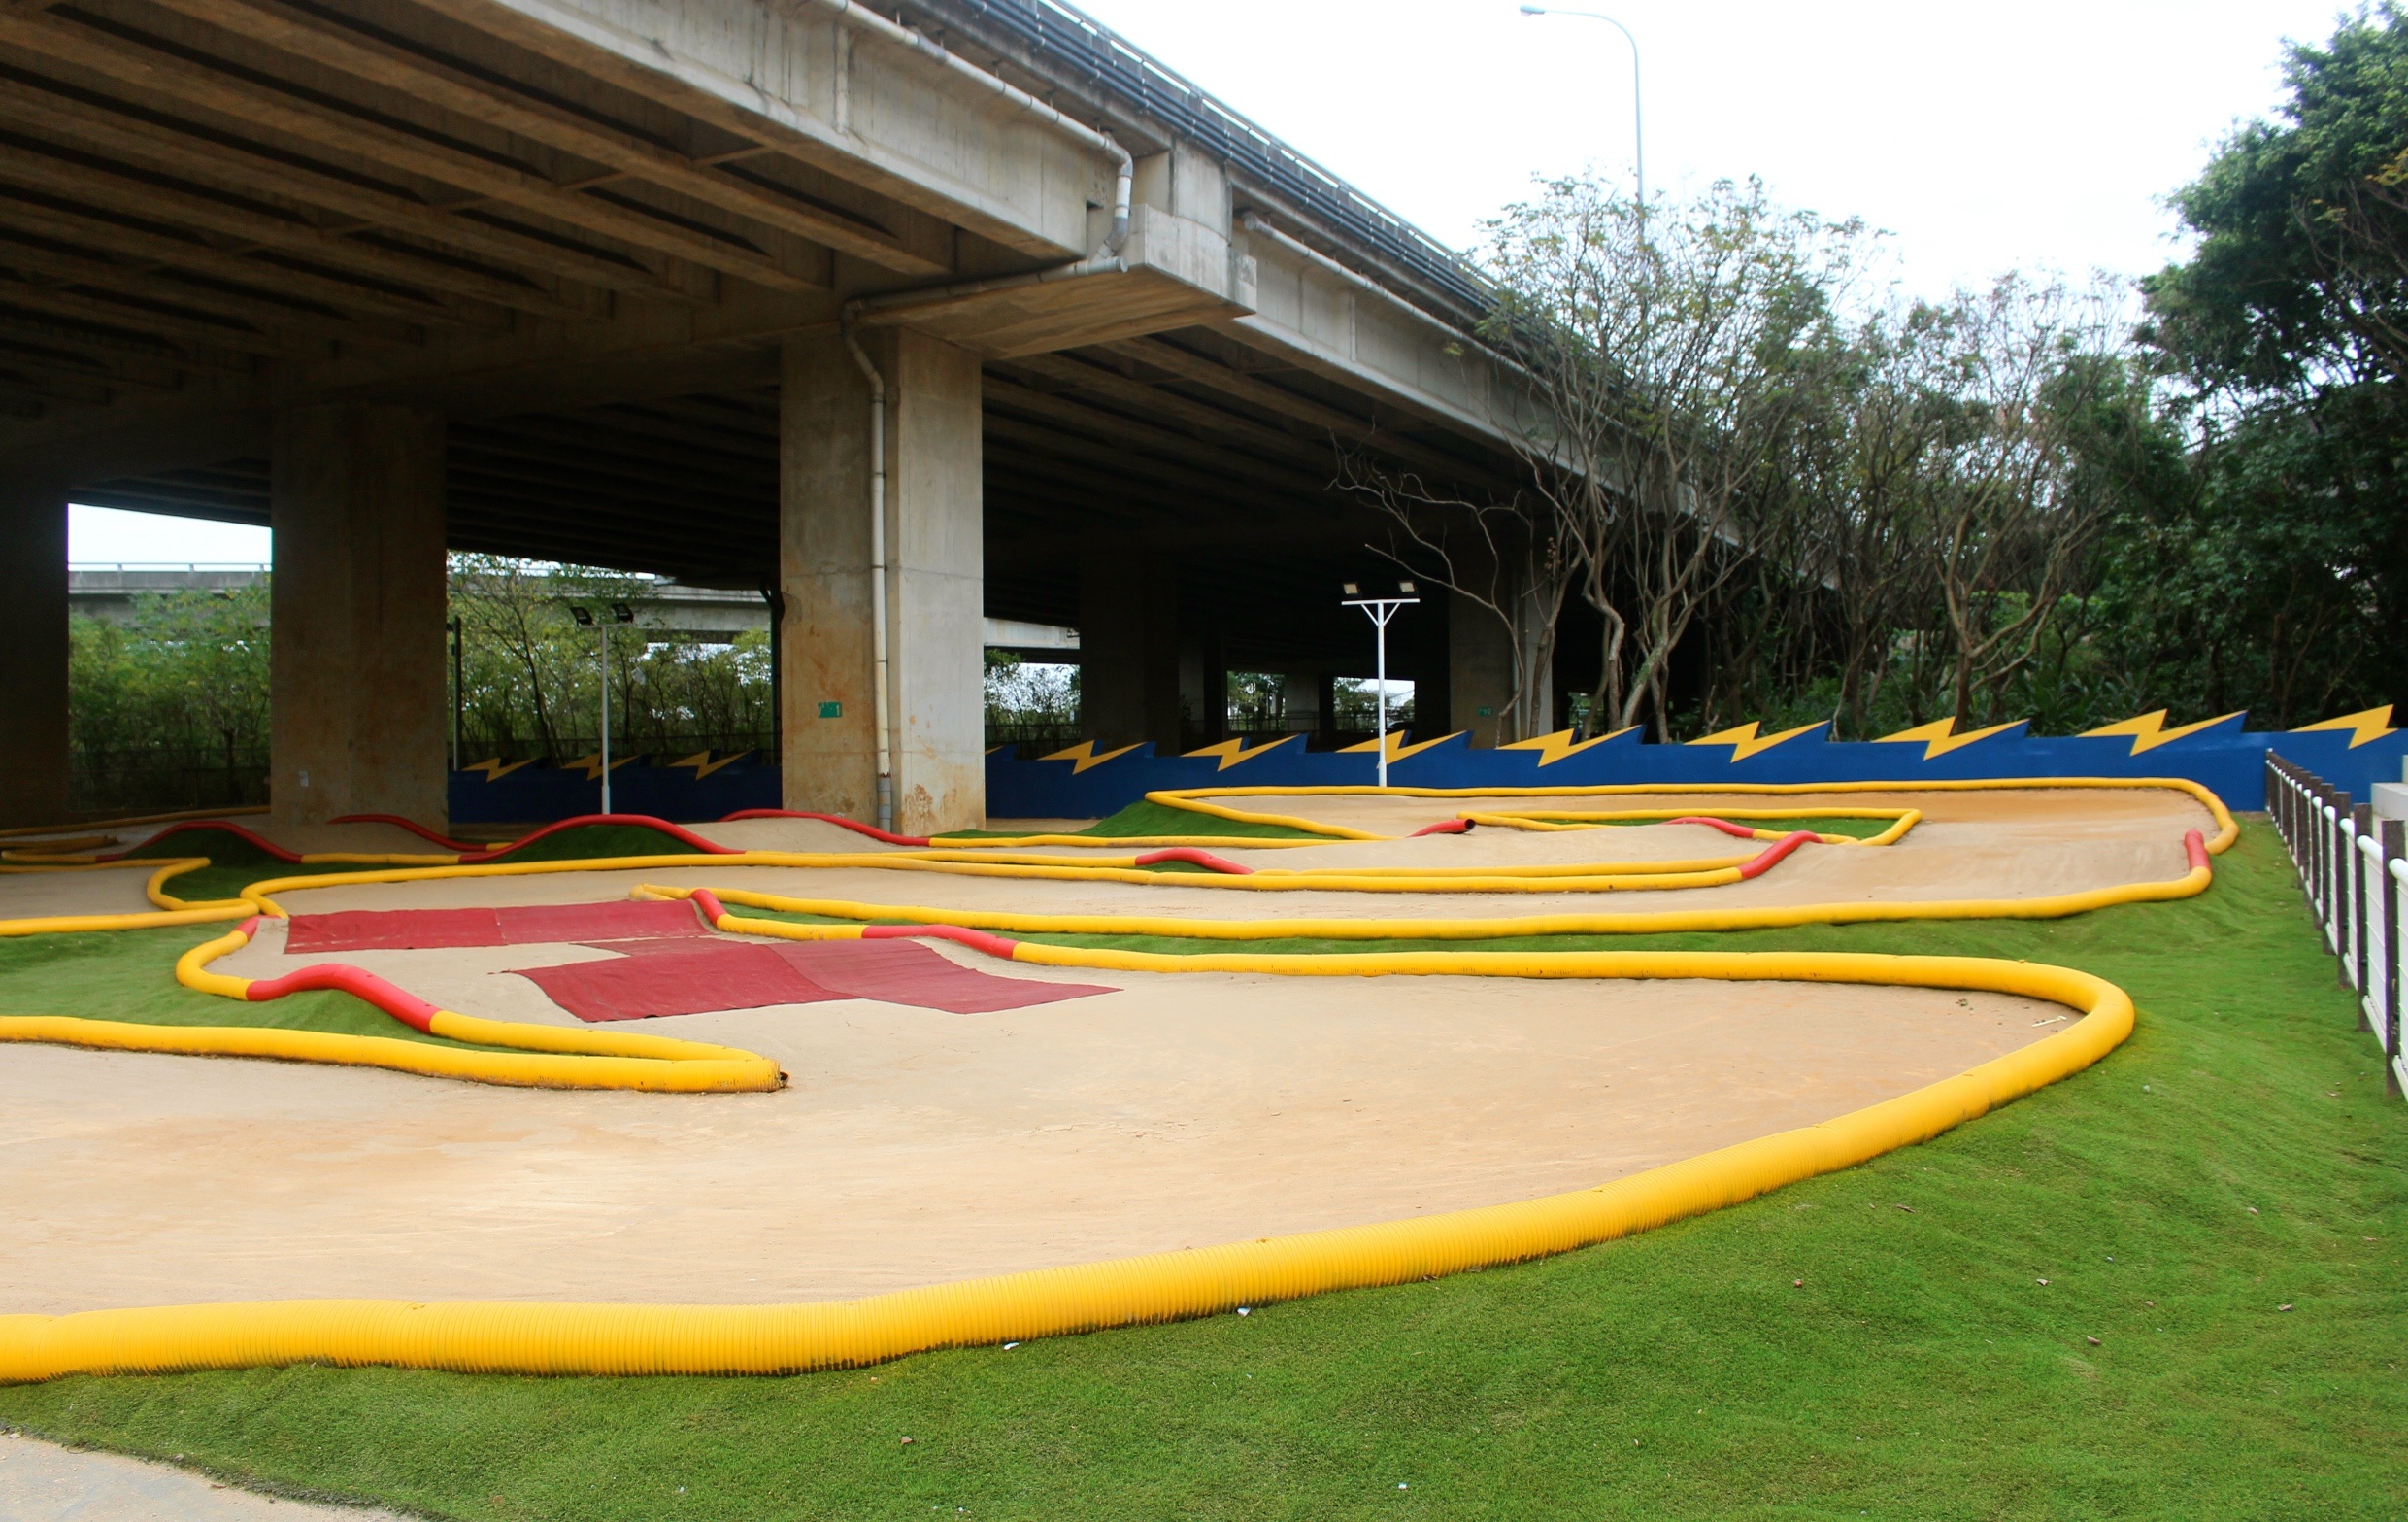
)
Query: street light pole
[
  {"x": 619, "y": 613},
  {"x": 1638, "y": 118},
  {"x": 1380, "y": 610}
]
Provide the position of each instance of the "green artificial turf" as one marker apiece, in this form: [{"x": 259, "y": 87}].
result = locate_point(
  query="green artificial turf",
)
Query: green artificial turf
[
  {"x": 131, "y": 975},
  {"x": 2236, "y": 1156}
]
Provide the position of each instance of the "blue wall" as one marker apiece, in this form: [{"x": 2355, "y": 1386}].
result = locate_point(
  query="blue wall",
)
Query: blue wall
[{"x": 2223, "y": 755}]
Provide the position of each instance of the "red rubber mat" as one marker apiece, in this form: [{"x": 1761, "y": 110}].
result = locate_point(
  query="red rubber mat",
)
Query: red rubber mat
[
  {"x": 659, "y": 978},
  {"x": 424, "y": 929}
]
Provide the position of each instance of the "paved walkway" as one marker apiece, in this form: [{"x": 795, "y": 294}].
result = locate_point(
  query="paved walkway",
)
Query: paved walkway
[{"x": 43, "y": 1482}]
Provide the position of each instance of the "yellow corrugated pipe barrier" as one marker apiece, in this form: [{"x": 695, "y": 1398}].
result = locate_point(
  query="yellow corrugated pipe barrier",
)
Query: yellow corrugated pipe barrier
[
  {"x": 511, "y": 1337},
  {"x": 473, "y": 1336}
]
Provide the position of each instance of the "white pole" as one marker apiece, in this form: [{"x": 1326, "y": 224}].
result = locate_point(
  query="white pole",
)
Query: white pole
[
  {"x": 1380, "y": 738},
  {"x": 604, "y": 629}
]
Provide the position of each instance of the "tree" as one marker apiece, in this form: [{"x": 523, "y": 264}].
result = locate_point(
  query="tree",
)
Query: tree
[
  {"x": 2283, "y": 330},
  {"x": 1670, "y": 355},
  {"x": 2012, "y": 517}
]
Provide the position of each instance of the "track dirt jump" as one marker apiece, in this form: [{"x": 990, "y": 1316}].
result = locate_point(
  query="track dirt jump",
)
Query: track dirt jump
[{"x": 768, "y": 1094}]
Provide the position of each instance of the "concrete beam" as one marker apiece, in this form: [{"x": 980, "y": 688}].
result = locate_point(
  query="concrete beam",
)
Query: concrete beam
[
  {"x": 935, "y": 581},
  {"x": 33, "y": 632},
  {"x": 357, "y": 711},
  {"x": 832, "y": 95},
  {"x": 1317, "y": 315}
]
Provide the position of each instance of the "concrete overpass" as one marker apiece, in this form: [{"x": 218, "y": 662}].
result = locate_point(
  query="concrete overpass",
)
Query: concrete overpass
[{"x": 615, "y": 280}]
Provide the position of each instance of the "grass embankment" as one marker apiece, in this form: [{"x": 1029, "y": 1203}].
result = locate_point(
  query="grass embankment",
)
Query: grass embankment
[{"x": 2237, "y": 1156}]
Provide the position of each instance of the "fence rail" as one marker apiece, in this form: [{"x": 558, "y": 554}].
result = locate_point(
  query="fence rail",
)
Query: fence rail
[{"x": 2355, "y": 869}]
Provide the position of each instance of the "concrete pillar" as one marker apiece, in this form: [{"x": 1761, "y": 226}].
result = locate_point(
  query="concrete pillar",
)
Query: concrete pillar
[
  {"x": 1129, "y": 649},
  {"x": 33, "y": 653},
  {"x": 357, "y": 709},
  {"x": 1480, "y": 672},
  {"x": 1204, "y": 685},
  {"x": 935, "y": 582}
]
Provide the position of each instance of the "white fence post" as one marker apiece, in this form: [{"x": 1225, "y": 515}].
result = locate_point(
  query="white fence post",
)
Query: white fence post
[{"x": 2392, "y": 872}]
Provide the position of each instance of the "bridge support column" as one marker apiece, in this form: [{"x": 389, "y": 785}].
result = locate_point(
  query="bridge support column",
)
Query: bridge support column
[
  {"x": 356, "y": 696},
  {"x": 1480, "y": 672},
  {"x": 1129, "y": 649},
  {"x": 935, "y": 581},
  {"x": 33, "y": 653}
]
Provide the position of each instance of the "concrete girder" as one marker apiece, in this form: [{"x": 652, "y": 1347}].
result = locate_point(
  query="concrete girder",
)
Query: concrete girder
[
  {"x": 1164, "y": 353},
  {"x": 477, "y": 258},
  {"x": 795, "y": 78},
  {"x": 157, "y": 282},
  {"x": 360, "y": 52},
  {"x": 1311, "y": 314},
  {"x": 103, "y": 231},
  {"x": 149, "y": 66}
]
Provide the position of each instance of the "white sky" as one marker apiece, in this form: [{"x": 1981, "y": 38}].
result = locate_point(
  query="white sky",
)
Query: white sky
[{"x": 1983, "y": 138}]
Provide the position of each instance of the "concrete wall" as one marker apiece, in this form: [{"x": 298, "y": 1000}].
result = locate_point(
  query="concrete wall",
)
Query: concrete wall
[
  {"x": 935, "y": 582},
  {"x": 33, "y": 652},
  {"x": 358, "y": 713}
]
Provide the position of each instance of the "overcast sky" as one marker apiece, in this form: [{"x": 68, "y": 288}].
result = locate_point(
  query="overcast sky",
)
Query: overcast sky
[{"x": 1983, "y": 138}]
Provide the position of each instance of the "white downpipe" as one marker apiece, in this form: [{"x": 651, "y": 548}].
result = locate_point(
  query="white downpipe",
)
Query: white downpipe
[{"x": 881, "y": 702}]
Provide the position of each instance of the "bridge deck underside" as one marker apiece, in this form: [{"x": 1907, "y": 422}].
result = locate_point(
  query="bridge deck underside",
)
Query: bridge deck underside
[{"x": 1140, "y": 444}]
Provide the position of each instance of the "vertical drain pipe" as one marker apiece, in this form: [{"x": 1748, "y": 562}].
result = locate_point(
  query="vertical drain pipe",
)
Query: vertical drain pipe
[{"x": 881, "y": 702}]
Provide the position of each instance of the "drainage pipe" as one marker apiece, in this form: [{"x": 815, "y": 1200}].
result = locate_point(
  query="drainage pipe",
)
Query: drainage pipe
[{"x": 881, "y": 704}]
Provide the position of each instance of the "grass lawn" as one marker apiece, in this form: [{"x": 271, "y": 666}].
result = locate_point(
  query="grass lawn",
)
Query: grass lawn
[{"x": 2236, "y": 1156}]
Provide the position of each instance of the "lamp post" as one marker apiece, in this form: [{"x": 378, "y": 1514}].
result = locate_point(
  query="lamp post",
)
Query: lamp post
[
  {"x": 1638, "y": 121},
  {"x": 1380, "y": 610},
  {"x": 619, "y": 613}
]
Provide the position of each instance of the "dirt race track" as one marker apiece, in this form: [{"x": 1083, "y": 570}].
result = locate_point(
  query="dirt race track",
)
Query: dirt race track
[{"x": 914, "y": 1146}]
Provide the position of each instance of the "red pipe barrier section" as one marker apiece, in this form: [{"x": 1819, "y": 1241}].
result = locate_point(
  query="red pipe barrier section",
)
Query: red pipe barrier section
[
  {"x": 1723, "y": 825},
  {"x": 406, "y": 1007},
  {"x": 1776, "y": 851},
  {"x": 853, "y": 824},
  {"x": 678, "y": 832},
  {"x": 1445, "y": 826},
  {"x": 1195, "y": 857},
  {"x": 2195, "y": 846},
  {"x": 415, "y": 828},
  {"x": 976, "y": 940}
]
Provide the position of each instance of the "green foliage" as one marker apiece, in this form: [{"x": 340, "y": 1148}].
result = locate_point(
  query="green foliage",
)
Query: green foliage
[
  {"x": 2279, "y": 579},
  {"x": 1922, "y": 1370},
  {"x": 170, "y": 708},
  {"x": 530, "y": 683},
  {"x": 1030, "y": 702}
]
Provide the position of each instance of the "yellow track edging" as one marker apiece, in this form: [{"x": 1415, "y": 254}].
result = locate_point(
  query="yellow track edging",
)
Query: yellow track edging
[{"x": 511, "y": 1337}]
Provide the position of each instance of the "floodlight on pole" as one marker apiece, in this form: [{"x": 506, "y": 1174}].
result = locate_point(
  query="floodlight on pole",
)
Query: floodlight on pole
[
  {"x": 619, "y": 613},
  {"x": 1638, "y": 120},
  {"x": 1380, "y": 610}
]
